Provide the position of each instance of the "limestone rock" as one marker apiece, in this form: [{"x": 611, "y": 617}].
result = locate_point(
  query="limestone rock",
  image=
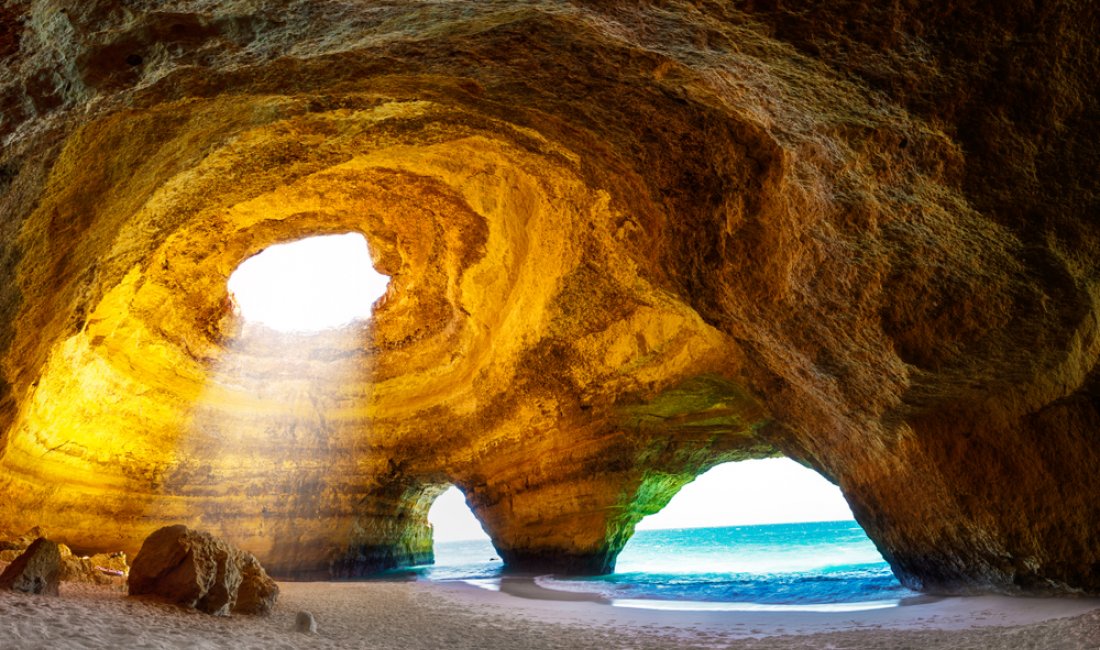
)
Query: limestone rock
[
  {"x": 626, "y": 242},
  {"x": 36, "y": 571},
  {"x": 305, "y": 623},
  {"x": 195, "y": 569},
  {"x": 258, "y": 592},
  {"x": 20, "y": 542},
  {"x": 100, "y": 569}
]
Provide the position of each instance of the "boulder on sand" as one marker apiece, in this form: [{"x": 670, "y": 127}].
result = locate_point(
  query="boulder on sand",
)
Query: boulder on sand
[
  {"x": 258, "y": 592},
  {"x": 36, "y": 571},
  {"x": 305, "y": 623},
  {"x": 197, "y": 570}
]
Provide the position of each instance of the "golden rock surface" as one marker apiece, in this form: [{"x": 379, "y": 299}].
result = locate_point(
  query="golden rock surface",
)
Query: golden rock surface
[{"x": 626, "y": 242}]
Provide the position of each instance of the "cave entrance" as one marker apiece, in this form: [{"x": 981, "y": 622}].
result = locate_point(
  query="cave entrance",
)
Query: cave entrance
[
  {"x": 312, "y": 284},
  {"x": 461, "y": 546},
  {"x": 766, "y": 532}
]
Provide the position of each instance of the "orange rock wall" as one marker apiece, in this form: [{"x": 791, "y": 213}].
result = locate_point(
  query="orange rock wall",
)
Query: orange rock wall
[{"x": 627, "y": 242}]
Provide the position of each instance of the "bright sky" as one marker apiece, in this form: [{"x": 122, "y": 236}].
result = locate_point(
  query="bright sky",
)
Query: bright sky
[
  {"x": 451, "y": 518},
  {"x": 769, "y": 491},
  {"x": 766, "y": 491},
  {"x": 310, "y": 284}
]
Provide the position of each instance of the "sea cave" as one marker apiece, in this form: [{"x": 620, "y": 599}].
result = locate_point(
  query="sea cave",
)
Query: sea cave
[{"x": 621, "y": 243}]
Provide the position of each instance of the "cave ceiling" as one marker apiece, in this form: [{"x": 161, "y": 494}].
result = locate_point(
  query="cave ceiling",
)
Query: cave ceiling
[{"x": 626, "y": 242}]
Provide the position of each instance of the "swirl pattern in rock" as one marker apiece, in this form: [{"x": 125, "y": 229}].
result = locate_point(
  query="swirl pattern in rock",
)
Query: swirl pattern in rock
[{"x": 627, "y": 242}]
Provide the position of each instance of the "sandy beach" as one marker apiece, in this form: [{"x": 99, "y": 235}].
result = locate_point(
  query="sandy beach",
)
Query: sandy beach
[{"x": 457, "y": 615}]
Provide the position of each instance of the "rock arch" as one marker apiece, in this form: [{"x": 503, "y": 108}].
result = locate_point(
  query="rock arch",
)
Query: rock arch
[{"x": 626, "y": 245}]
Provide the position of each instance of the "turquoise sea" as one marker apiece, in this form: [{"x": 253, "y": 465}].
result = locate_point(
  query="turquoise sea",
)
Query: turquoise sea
[{"x": 811, "y": 565}]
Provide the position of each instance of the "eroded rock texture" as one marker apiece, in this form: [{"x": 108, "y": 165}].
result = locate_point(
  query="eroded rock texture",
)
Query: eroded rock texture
[
  {"x": 627, "y": 241},
  {"x": 195, "y": 569},
  {"x": 37, "y": 570}
]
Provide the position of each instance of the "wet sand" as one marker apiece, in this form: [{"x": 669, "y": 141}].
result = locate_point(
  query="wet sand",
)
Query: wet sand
[{"x": 456, "y": 615}]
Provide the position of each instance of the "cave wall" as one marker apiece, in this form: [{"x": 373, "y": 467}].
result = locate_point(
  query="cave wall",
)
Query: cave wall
[{"x": 627, "y": 242}]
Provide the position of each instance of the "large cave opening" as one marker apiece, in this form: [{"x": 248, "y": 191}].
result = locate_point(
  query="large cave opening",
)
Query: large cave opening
[
  {"x": 752, "y": 492},
  {"x": 760, "y": 533},
  {"x": 311, "y": 284},
  {"x": 461, "y": 546}
]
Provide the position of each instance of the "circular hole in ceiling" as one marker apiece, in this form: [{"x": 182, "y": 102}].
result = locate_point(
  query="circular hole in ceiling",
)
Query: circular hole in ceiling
[{"x": 308, "y": 285}]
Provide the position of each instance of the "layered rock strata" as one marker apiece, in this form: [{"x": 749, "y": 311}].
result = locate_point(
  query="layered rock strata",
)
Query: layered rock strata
[{"x": 627, "y": 242}]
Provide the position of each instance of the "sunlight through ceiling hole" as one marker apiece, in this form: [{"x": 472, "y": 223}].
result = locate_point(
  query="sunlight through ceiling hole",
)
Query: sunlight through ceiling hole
[{"x": 311, "y": 284}]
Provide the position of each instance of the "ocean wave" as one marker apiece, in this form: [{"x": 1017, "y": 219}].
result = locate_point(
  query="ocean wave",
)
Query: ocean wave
[
  {"x": 854, "y": 584},
  {"x": 787, "y": 564}
]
